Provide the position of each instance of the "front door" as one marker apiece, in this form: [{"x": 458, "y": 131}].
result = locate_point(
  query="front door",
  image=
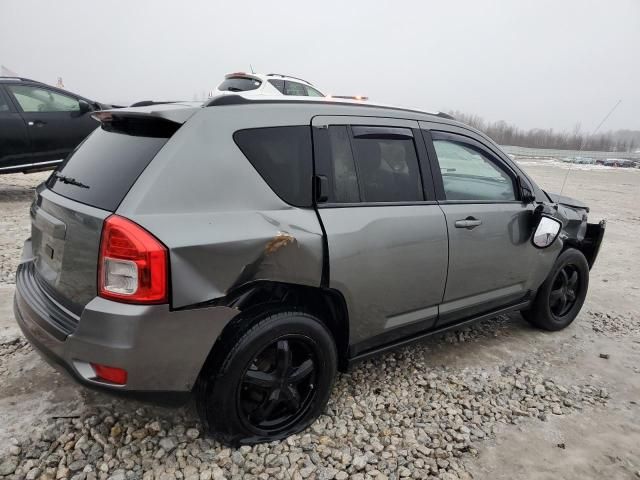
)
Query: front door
[
  {"x": 491, "y": 258},
  {"x": 14, "y": 142},
  {"x": 386, "y": 235},
  {"x": 54, "y": 121}
]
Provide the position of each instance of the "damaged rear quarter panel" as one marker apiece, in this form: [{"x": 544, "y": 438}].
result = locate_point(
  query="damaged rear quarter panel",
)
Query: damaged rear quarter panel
[
  {"x": 211, "y": 254},
  {"x": 223, "y": 225}
]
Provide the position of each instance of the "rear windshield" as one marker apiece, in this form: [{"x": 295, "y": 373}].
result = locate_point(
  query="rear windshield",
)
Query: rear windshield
[
  {"x": 239, "y": 84},
  {"x": 102, "y": 169}
]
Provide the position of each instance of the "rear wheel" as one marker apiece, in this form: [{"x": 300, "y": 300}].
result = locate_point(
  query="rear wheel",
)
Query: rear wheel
[
  {"x": 561, "y": 296},
  {"x": 272, "y": 383}
]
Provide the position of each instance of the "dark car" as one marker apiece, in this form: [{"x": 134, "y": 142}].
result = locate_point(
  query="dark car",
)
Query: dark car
[
  {"x": 245, "y": 250},
  {"x": 40, "y": 124}
]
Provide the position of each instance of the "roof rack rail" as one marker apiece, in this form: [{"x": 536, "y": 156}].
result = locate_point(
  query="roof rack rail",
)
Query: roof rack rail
[
  {"x": 20, "y": 79},
  {"x": 222, "y": 100},
  {"x": 445, "y": 115},
  {"x": 288, "y": 76}
]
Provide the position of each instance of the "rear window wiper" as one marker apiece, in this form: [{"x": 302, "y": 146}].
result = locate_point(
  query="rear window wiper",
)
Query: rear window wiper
[{"x": 69, "y": 180}]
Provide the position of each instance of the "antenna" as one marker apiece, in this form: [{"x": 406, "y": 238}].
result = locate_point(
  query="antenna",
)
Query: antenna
[
  {"x": 564, "y": 182},
  {"x": 251, "y": 68}
]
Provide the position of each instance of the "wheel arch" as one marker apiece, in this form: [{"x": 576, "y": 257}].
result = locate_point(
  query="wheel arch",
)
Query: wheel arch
[{"x": 261, "y": 298}]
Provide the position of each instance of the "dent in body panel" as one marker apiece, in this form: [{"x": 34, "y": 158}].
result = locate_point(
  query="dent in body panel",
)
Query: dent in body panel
[
  {"x": 212, "y": 254},
  {"x": 223, "y": 225}
]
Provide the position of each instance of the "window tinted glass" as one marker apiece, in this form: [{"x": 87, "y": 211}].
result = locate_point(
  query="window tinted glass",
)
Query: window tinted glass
[
  {"x": 345, "y": 180},
  {"x": 387, "y": 170},
  {"x": 239, "y": 84},
  {"x": 282, "y": 156},
  {"x": 279, "y": 84},
  {"x": 108, "y": 163},
  {"x": 312, "y": 92},
  {"x": 36, "y": 99},
  {"x": 468, "y": 174},
  {"x": 4, "y": 105},
  {"x": 294, "y": 88}
]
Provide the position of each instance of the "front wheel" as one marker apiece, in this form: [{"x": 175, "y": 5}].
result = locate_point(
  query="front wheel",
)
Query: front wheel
[
  {"x": 273, "y": 382},
  {"x": 561, "y": 296}
]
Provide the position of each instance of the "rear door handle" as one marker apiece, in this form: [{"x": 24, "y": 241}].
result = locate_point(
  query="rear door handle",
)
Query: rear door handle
[{"x": 469, "y": 223}]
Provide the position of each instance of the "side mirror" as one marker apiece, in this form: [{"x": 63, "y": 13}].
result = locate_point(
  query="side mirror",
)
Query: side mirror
[
  {"x": 85, "y": 107},
  {"x": 526, "y": 193},
  {"x": 546, "y": 232}
]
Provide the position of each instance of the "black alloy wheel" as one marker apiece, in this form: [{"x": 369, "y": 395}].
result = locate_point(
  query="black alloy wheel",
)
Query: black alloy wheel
[
  {"x": 564, "y": 290},
  {"x": 561, "y": 296},
  {"x": 269, "y": 377},
  {"x": 279, "y": 384}
]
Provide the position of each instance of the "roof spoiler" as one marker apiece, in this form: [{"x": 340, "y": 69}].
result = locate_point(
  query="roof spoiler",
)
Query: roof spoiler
[{"x": 171, "y": 112}]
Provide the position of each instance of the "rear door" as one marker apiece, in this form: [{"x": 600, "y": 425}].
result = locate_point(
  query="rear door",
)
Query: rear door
[
  {"x": 14, "y": 142},
  {"x": 386, "y": 236},
  {"x": 490, "y": 256},
  {"x": 54, "y": 120}
]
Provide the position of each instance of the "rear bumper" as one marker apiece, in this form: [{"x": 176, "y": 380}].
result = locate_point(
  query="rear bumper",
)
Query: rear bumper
[{"x": 162, "y": 350}]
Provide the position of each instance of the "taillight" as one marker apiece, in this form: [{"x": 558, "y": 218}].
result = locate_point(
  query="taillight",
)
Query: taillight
[
  {"x": 132, "y": 266},
  {"x": 110, "y": 374}
]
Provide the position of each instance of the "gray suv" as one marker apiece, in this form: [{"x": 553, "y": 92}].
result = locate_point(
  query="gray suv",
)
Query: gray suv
[{"x": 246, "y": 250}]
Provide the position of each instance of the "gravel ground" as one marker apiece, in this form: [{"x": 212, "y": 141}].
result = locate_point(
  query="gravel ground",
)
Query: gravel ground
[{"x": 494, "y": 400}]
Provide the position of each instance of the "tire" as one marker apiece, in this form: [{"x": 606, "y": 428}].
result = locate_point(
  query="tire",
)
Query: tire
[
  {"x": 561, "y": 296},
  {"x": 272, "y": 382}
]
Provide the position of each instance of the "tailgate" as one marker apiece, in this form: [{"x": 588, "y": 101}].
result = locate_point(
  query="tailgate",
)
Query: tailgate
[
  {"x": 65, "y": 239},
  {"x": 70, "y": 208}
]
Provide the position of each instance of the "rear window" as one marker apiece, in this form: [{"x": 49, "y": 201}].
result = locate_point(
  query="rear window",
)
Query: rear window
[
  {"x": 239, "y": 84},
  {"x": 282, "y": 156},
  {"x": 103, "y": 168}
]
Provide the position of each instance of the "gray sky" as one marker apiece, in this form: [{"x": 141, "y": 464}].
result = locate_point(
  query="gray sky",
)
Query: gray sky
[{"x": 538, "y": 63}]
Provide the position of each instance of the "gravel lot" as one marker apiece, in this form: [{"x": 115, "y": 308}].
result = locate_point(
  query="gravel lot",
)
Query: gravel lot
[{"x": 498, "y": 400}]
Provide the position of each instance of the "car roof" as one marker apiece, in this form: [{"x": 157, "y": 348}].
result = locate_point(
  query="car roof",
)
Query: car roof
[
  {"x": 267, "y": 76},
  {"x": 240, "y": 98},
  {"x": 181, "y": 111}
]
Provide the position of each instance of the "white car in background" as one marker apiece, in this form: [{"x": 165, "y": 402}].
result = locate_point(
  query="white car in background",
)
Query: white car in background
[{"x": 271, "y": 84}]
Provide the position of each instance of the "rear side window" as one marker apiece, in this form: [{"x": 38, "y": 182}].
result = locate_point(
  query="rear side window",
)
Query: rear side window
[
  {"x": 282, "y": 156},
  {"x": 295, "y": 89},
  {"x": 278, "y": 84},
  {"x": 4, "y": 105},
  {"x": 387, "y": 169},
  {"x": 103, "y": 168},
  {"x": 239, "y": 84}
]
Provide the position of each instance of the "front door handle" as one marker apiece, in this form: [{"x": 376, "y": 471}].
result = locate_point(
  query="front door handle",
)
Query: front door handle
[
  {"x": 469, "y": 223},
  {"x": 37, "y": 123}
]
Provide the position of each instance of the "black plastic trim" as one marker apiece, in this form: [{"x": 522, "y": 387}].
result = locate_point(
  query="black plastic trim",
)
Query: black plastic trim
[
  {"x": 49, "y": 315},
  {"x": 359, "y": 354}
]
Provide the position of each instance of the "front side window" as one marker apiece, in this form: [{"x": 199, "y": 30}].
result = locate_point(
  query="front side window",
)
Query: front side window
[
  {"x": 283, "y": 158},
  {"x": 469, "y": 174},
  {"x": 37, "y": 99}
]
